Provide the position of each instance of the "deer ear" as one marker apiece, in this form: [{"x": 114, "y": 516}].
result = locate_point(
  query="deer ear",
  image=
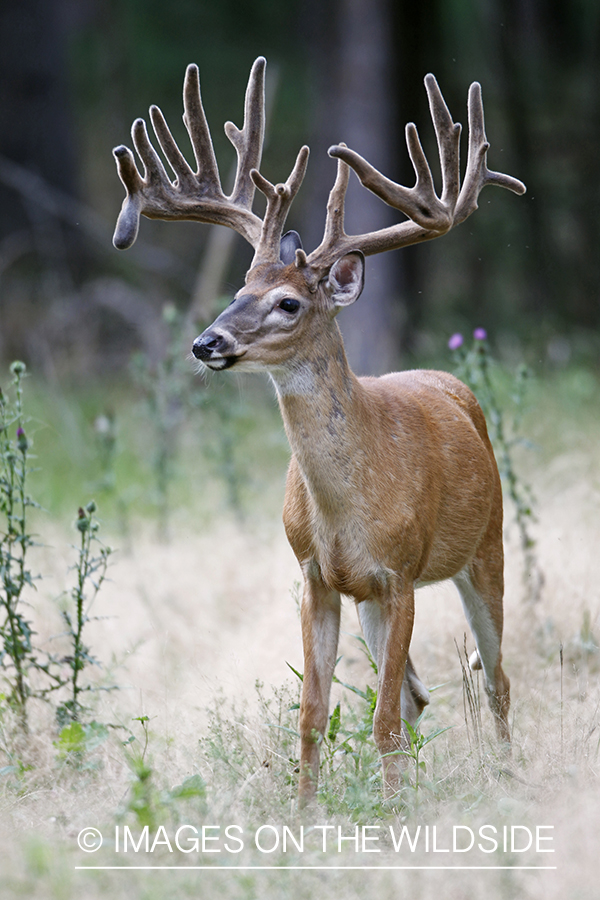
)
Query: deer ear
[
  {"x": 290, "y": 242},
  {"x": 347, "y": 278}
]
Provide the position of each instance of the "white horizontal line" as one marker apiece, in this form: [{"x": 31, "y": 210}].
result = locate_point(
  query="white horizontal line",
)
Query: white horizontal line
[{"x": 217, "y": 868}]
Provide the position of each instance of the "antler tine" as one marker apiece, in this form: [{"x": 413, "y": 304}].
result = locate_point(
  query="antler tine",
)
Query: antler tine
[
  {"x": 279, "y": 199},
  {"x": 128, "y": 222},
  {"x": 195, "y": 121},
  {"x": 448, "y": 140},
  {"x": 334, "y": 235},
  {"x": 336, "y": 205},
  {"x": 196, "y": 195},
  {"x": 429, "y": 215},
  {"x": 186, "y": 180},
  {"x": 417, "y": 204},
  {"x": 420, "y": 203},
  {"x": 155, "y": 177},
  {"x": 248, "y": 141},
  {"x": 477, "y": 174}
]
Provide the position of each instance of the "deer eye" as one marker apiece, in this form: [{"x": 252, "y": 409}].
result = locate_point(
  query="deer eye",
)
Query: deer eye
[{"x": 289, "y": 305}]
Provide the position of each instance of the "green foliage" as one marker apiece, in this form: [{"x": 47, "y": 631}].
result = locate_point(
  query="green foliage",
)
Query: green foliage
[
  {"x": 105, "y": 433},
  {"x": 73, "y": 431},
  {"x": 107, "y": 451},
  {"x": 502, "y": 407},
  {"x": 166, "y": 385},
  {"x": 17, "y": 653},
  {"x": 76, "y": 743},
  {"x": 29, "y": 671},
  {"x": 417, "y": 743},
  {"x": 150, "y": 804},
  {"x": 349, "y": 769},
  {"x": 144, "y": 799},
  {"x": 259, "y": 771},
  {"x": 90, "y": 569},
  {"x": 253, "y": 761},
  {"x": 230, "y": 424}
]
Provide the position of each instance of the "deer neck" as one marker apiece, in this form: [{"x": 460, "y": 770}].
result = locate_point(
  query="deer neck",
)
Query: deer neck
[{"x": 321, "y": 401}]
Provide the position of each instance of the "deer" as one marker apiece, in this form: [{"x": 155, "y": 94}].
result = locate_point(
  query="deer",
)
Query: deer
[{"x": 392, "y": 482}]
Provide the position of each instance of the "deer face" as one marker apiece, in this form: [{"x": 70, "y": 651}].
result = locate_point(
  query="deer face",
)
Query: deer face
[{"x": 279, "y": 317}]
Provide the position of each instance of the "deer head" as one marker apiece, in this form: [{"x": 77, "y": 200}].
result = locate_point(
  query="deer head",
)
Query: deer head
[{"x": 287, "y": 292}]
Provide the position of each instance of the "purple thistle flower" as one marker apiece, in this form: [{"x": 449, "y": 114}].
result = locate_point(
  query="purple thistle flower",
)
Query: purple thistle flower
[
  {"x": 22, "y": 442},
  {"x": 455, "y": 341},
  {"x": 480, "y": 334}
]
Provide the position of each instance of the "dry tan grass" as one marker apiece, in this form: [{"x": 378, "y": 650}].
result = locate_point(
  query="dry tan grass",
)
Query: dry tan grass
[{"x": 213, "y": 612}]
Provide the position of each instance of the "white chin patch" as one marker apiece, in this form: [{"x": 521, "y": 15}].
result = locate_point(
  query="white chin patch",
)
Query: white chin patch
[{"x": 215, "y": 364}]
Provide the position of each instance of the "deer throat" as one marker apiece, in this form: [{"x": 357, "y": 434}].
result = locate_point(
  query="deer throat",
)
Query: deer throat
[{"x": 321, "y": 423}]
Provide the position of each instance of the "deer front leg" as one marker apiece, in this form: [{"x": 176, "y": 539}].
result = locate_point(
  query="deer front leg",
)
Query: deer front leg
[
  {"x": 395, "y": 632},
  {"x": 320, "y": 617}
]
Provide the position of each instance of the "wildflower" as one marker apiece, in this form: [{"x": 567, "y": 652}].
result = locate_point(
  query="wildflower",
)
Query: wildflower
[
  {"x": 18, "y": 367},
  {"x": 22, "y": 442},
  {"x": 455, "y": 341},
  {"x": 480, "y": 334},
  {"x": 83, "y": 522}
]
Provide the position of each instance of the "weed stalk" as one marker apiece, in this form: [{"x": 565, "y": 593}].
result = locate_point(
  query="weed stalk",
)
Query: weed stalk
[
  {"x": 17, "y": 652},
  {"x": 90, "y": 568},
  {"x": 166, "y": 386},
  {"x": 475, "y": 366},
  {"x": 471, "y": 700}
]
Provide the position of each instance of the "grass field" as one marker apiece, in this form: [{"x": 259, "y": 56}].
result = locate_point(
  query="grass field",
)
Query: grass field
[{"x": 197, "y": 632}]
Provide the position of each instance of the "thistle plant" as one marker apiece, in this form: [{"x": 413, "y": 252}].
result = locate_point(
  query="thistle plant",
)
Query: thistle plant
[
  {"x": 29, "y": 671},
  {"x": 17, "y": 654},
  {"x": 90, "y": 570},
  {"x": 476, "y": 366}
]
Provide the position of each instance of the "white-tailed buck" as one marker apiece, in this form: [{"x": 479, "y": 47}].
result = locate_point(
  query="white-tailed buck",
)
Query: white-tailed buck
[{"x": 392, "y": 482}]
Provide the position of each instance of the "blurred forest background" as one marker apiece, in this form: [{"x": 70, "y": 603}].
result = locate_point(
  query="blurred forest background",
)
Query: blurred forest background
[{"x": 75, "y": 73}]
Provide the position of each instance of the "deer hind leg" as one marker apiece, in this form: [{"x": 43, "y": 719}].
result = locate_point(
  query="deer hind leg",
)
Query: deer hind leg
[
  {"x": 480, "y": 585},
  {"x": 387, "y": 626},
  {"x": 320, "y": 619},
  {"x": 414, "y": 695}
]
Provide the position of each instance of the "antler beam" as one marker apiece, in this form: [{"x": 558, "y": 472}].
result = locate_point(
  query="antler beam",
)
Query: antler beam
[
  {"x": 198, "y": 195},
  {"x": 428, "y": 215},
  {"x": 193, "y": 195}
]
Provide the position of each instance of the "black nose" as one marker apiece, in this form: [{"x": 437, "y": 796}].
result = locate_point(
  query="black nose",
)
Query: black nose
[{"x": 207, "y": 344}]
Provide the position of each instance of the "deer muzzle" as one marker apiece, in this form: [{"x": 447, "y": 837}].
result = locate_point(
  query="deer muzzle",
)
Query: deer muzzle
[{"x": 215, "y": 349}]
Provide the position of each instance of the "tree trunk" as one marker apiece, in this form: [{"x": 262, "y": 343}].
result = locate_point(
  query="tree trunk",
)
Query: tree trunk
[{"x": 351, "y": 43}]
